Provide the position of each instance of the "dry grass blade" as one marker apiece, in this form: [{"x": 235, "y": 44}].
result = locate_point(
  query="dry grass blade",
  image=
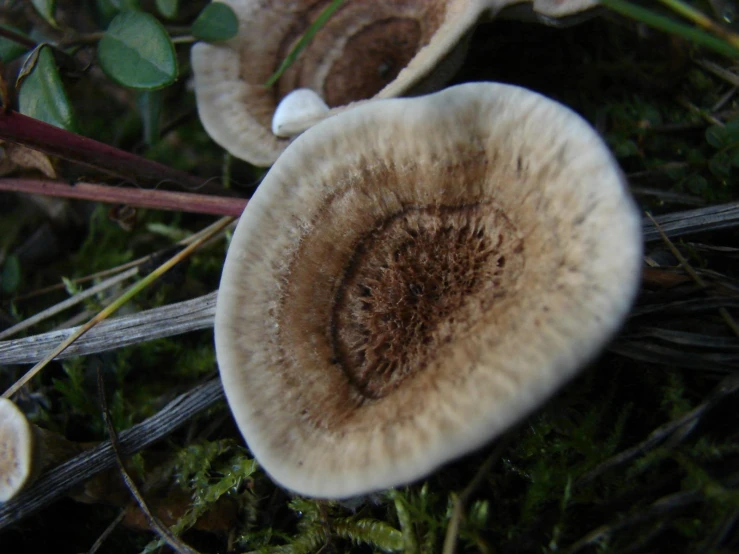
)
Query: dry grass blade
[
  {"x": 677, "y": 224},
  {"x": 719, "y": 363},
  {"x": 107, "y": 532},
  {"x": 684, "y": 338},
  {"x": 132, "y": 291},
  {"x": 175, "y": 543},
  {"x": 167, "y": 321},
  {"x": 69, "y": 302},
  {"x": 452, "y": 530},
  {"x": 60, "y": 479}
]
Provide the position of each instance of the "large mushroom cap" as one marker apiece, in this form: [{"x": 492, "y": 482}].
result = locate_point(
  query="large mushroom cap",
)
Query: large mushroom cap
[
  {"x": 415, "y": 275},
  {"x": 378, "y": 48},
  {"x": 16, "y": 449}
]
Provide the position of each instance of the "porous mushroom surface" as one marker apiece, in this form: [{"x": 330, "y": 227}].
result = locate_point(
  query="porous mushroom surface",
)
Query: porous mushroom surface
[
  {"x": 415, "y": 275},
  {"x": 366, "y": 49},
  {"x": 16, "y": 449}
]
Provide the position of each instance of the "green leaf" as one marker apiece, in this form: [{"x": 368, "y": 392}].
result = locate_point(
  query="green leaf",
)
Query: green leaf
[
  {"x": 720, "y": 165},
  {"x": 123, "y": 5},
  {"x": 108, "y": 9},
  {"x": 42, "y": 95},
  {"x": 11, "y": 276},
  {"x": 721, "y": 136},
  {"x": 46, "y": 9},
  {"x": 697, "y": 184},
  {"x": 136, "y": 52},
  {"x": 9, "y": 49},
  {"x": 305, "y": 40},
  {"x": 168, "y": 8},
  {"x": 716, "y": 136},
  {"x": 216, "y": 22}
]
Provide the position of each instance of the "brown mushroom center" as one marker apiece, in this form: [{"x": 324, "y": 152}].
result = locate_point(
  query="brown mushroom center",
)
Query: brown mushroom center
[
  {"x": 372, "y": 58},
  {"x": 423, "y": 277}
]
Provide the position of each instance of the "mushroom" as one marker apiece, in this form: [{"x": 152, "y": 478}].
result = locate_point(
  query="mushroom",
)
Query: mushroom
[
  {"x": 380, "y": 49},
  {"x": 26, "y": 450},
  {"x": 297, "y": 107},
  {"x": 413, "y": 276}
]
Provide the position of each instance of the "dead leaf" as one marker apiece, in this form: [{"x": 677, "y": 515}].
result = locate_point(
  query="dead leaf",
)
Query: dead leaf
[{"x": 15, "y": 158}]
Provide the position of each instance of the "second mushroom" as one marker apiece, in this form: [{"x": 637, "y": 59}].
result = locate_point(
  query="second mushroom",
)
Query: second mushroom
[{"x": 366, "y": 49}]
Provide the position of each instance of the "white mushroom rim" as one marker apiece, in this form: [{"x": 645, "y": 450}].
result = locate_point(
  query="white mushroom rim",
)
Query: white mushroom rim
[
  {"x": 414, "y": 276},
  {"x": 16, "y": 449}
]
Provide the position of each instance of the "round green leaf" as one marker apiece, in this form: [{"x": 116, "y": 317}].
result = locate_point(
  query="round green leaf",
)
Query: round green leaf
[
  {"x": 46, "y": 9},
  {"x": 216, "y": 22},
  {"x": 716, "y": 136},
  {"x": 136, "y": 52},
  {"x": 168, "y": 8},
  {"x": 42, "y": 95}
]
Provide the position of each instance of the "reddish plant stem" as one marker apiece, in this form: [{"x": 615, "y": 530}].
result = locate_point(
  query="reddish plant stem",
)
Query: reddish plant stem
[
  {"x": 17, "y": 37},
  {"x": 15, "y": 127},
  {"x": 142, "y": 198}
]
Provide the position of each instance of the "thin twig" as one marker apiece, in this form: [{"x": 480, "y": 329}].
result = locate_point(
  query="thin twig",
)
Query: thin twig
[
  {"x": 17, "y": 38},
  {"x": 450, "y": 540},
  {"x": 712, "y": 67},
  {"x": 156, "y": 525},
  {"x": 140, "y": 198},
  {"x": 107, "y": 532}
]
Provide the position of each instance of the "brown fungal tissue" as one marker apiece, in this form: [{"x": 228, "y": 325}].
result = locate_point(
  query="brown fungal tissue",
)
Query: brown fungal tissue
[
  {"x": 366, "y": 49},
  {"x": 413, "y": 276}
]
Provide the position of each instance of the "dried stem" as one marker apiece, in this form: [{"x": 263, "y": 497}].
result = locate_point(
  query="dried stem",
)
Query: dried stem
[
  {"x": 119, "y": 332},
  {"x": 57, "y": 481},
  {"x": 140, "y": 198},
  {"x": 18, "y": 128},
  {"x": 690, "y": 271},
  {"x": 154, "y": 522}
]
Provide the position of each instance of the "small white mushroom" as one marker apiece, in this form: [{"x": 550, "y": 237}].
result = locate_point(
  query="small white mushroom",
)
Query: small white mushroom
[
  {"x": 295, "y": 110},
  {"x": 413, "y": 276},
  {"x": 562, "y": 8},
  {"x": 16, "y": 450},
  {"x": 26, "y": 450},
  {"x": 368, "y": 49}
]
